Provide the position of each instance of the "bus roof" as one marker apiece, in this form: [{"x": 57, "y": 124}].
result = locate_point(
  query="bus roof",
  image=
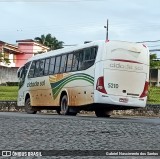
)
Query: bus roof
[
  {"x": 64, "y": 50},
  {"x": 70, "y": 49}
]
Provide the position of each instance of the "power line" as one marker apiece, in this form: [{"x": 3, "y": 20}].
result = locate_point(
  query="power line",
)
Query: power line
[
  {"x": 152, "y": 50},
  {"x": 89, "y": 25},
  {"x": 151, "y": 41},
  {"x": 51, "y": 1}
]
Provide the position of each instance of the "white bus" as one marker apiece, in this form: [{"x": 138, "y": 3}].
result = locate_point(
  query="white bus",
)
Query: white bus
[{"x": 99, "y": 76}]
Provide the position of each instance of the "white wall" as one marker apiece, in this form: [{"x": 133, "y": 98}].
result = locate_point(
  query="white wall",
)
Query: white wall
[{"x": 8, "y": 74}]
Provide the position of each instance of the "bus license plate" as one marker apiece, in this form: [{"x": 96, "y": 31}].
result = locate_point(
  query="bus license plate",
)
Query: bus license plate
[{"x": 124, "y": 100}]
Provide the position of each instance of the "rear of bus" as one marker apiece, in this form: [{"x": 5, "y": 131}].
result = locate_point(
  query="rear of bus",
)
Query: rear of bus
[{"x": 122, "y": 75}]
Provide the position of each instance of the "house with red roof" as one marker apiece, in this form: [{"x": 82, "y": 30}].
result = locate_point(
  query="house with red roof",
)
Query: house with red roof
[{"x": 17, "y": 56}]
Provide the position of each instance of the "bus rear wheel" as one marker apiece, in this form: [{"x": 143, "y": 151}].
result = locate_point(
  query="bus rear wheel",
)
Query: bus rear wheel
[
  {"x": 64, "y": 108},
  {"x": 103, "y": 113},
  {"x": 28, "y": 107}
]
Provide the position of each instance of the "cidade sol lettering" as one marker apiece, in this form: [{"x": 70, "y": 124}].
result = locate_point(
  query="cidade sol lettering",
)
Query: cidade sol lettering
[
  {"x": 32, "y": 84},
  {"x": 126, "y": 66},
  {"x": 36, "y": 84}
]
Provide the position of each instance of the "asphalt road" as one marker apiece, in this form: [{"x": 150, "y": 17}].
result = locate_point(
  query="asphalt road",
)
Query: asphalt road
[{"x": 20, "y": 131}]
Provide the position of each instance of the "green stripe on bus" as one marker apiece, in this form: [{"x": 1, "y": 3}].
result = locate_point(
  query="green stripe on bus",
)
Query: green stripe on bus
[
  {"x": 56, "y": 91},
  {"x": 57, "y": 86}
]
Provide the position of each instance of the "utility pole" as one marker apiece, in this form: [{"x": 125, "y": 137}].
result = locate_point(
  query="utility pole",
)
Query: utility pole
[{"x": 106, "y": 30}]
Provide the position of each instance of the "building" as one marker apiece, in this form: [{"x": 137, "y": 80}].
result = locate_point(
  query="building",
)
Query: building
[
  {"x": 155, "y": 77},
  {"x": 28, "y": 48},
  {"x": 10, "y": 52},
  {"x": 17, "y": 56}
]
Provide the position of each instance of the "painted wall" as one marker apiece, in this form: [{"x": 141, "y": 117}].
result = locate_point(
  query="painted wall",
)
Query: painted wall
[
  {"x": 8, "y": 74},
  {"x": 28, "y": 53},
  {"x": 29, "y": 50}
]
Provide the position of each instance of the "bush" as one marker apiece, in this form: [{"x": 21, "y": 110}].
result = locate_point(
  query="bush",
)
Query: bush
[
  {"x": 12, "y": 83},
  {"x": 3, "y": 84},
  {"x": 154, "y": 95}
]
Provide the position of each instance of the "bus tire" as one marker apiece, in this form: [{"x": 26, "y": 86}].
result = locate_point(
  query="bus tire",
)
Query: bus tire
[
  {"x": 64, "y": 108},
  {"x": 28, "y": 107},
  {"x": 102, "y": 113}
]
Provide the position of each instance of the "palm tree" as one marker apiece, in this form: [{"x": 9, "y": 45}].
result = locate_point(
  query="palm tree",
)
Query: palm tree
[{"x": 49, "y": 41}]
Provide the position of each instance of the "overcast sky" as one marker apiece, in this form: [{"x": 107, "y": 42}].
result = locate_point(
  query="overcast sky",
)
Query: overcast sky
[{"x": 76, "y": 21}]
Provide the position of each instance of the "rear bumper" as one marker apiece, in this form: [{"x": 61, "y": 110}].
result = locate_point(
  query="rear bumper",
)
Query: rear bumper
[{"x": 116, "y": 100}]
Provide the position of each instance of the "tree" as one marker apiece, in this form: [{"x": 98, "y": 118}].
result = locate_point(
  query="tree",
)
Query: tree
[
  {"x": 153, "y": 62},
  {"x": 49, "y": 41}
]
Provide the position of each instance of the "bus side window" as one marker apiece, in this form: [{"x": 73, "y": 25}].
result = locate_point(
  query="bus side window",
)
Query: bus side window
[
  {"x": 90, "y": 55},
  {"x": 46, "y": 67},
  {"x": 57, "y": 65},
  {"x": 41, "y": 67},
  {"x": 87, "y": 60},
  {"x": 51, "y": 66},
  {"x": 26, "y": 68},
  {"x": 22, "y": 76},
  {"x": 93, "y": 53},
  {"x": 36, "y": 74},
  {"x": 75, "y": 61},
  {"x": 81, "y": 60},
  {"x": 32, "y": 70},
  {"x": 87, "y": 54},
  {"x": 63, "y": 63},
  {"x": 69, "y": 62}
]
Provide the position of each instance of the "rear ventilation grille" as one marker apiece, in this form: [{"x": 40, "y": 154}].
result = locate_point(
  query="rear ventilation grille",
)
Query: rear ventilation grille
[{"x": 132, "y": 94}]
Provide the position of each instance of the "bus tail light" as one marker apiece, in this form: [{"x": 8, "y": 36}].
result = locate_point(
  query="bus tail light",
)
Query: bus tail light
[
  {"x": 145, "y": 90},
  {"x": 100, "y": 85}
]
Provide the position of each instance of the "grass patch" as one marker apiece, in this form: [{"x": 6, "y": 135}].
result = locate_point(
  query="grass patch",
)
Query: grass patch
[
  {"x": 11, "y": 93},
  {"x": 154, "y": 95},
  {"x": 8, "y": 92}
]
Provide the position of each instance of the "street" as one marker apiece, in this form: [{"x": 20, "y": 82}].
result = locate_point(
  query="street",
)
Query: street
[{"x": 20, "y": 131}]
